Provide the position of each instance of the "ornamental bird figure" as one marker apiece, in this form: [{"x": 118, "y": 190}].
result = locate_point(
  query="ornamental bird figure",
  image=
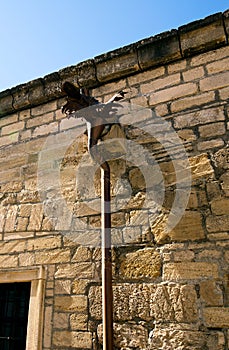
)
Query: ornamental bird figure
[{"x": 99, "y": 120}]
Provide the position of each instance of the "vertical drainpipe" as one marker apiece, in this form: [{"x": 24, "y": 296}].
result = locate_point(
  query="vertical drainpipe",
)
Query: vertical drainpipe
[{"x": 107, "y": 294}]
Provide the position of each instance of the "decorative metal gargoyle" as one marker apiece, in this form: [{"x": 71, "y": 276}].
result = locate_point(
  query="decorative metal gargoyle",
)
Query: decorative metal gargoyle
[{"x": 99, "y": 119}]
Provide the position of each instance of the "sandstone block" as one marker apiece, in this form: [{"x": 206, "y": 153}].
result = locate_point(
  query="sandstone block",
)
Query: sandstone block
[
  {"x": 212, "y": 130},
  {"x": 215, "y": 82},
  {"x": 158, "y": 84},
  {"x": 62, "y": 287},
  {"x": 116, "y": 66},
  {"x": 189, "y": 271},
  {"x": 43, "y": 119},
  {"x": 60, "y": 320},
  {"x": 78, "y": 322},
  {"x": 44, "y": 108},
  {"x": 160, "y": 337},
  {"x": 142, "y": 263},
  {"x": 188, "y": 228},
  {"x": 211, "y": 293},
  {"x": 220, "y": 206},
  {"x": 22, "y": 224},
  {"x": 6, "y": 103},
  {"x": 216, "y": 317},
  {"x": 47, "y": 326},
  {"x": 79, "y": 286},
  {"x": 217, "y": 66},
  {"x": 199, "y": 35},
  {"x": 71, "y": 303},
  {"x": 84, "y": 270},
  {"x": 36, "y": 217},
  {"x": 53, "y": 256},
  {"x": 223, "y": 93},
  {"x": 224, "y": 180},
  {"x": 173, "y": 93},
  {"x": 210, "y": 56},
  {"x": 217, "y": 223},
  {"x": 20, "y": 96},
  {"x": 193, "y": 101},
  {"x": 86, "y": 73},
  {"x": 146, "y": 76},
  {"x": 48, "y": 242},
  {"x": 193, "y": 74},
  {"x": 8, "y": 261},
  {"x": 9, "y": 139},
  {"x": 216, "y": 143},
  {"x": 201, "y": 167},
  {"x": 10, "y": 222},
  {"x": 12, "y": 247},
  {"x": 159, "y": 49},
  {"x": 79, "y": 340},
  {"x": 109, "y": 88},
  {"x": 127, "y": 336},
  {"x": 177, "y": 66},
  {"x": 13, "y": 128},
  {"x": 204, "y": 116},
  {"x": 9, "y": 119},
  {"x": 45, "y": 129},
  {"x": 82, "y": 254},
  {"x": 175, "y": 303},
  {"x": 221, "y": 159}
]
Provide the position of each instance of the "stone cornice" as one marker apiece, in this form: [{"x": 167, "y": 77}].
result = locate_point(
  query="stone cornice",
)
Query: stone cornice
[{"x": 161, "y": 49}]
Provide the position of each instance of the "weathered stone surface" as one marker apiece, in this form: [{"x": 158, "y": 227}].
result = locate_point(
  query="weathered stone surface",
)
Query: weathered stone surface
[
  {"x": 127, "y": 304},
  {"x": 224, "y": 180},
  {"x": 201, "y": 167},
  {"x": 48, "y": 242},
  {"x": 116, "y": 64},
  {"x": 54, "y": 256},
  {"x": 189, "y": 271},
  {"x": 82, "y": 254},
  {"x": 211, "y": 293},
  {"x": 199, "y": 35},
  {"x": 86, "y": 73},
  {"x": 78, "y": 322},
  {"x": 220, "y": 206},
  {"x": 12, "y": 247},
  {"x": 175, "y": 303},
  {"x": 48, "y": 328},
  {"x": 174, "y": 338},
  {"x": 127, "y": 336},
  {"x": 212, "y": 130},
  {"x": 61, "y": 320},
  {"x": 62, "y": 287},
  {"x": 203, "y": 116},
  {"x": 221, "y": 159},
  {"x": 142, "y": 263},
  {"x": 75, "y": 303},
  {"x": 8, "y": 261},
  {"x": 189, "y": 228},
  {"x": 159, "y": 49},
  {"x": 79, "y": 340},
  {"x": 217, "y": 223},
  {"x": 216, "y": 317},
  {"x": 6, "y": 102},
  {"x": 214, "y": 82},
  {"x": 76, "y": 270}
]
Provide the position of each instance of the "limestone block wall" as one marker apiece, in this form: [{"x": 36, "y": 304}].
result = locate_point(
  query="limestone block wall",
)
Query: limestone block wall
[{"x": 171, "y": 287}]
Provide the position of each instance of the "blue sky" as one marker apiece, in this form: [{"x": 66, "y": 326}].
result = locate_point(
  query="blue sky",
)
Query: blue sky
[{"x": 39, "y": 37}]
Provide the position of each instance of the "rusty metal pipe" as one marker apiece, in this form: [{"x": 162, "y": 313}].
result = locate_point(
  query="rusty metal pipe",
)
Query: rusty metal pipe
[{"x": 107, "y": 293}]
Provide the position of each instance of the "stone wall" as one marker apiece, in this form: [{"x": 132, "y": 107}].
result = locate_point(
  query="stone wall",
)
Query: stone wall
[{"x": 171, "y": 287}]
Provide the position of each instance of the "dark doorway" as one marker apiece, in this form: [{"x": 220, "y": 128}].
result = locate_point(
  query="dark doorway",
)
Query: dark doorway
[{"x": 14, "y": 306}]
